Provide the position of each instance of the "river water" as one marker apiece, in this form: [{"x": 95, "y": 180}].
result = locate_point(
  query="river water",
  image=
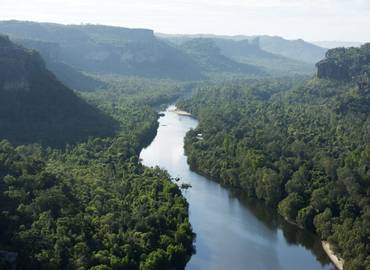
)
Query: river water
[{"x": 233, "y": 233}]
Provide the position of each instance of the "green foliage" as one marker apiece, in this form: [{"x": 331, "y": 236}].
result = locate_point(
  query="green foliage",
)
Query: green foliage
[
  {"x": 107, "y": 49},
  {"x": 92, "y": 205},
  {"x": 274, "y": 55},
  {"x": 37, "y": 108},
  {"x": 345, "y": 64},
  {"x": 68, "y": 75},
  {"x": 128, "y": 90},
  {"x": 299, "y": 50},
  {"x": 301, "y": 146},
  {"x": 290, "y": 206},
  {"x": 249, "y": 52},
  {"x": 207, "y": 55}
]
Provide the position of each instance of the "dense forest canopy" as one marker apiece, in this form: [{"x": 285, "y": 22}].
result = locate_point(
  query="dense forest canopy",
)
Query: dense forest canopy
[
  {"x": 89, "y": 204},
  {"x": 73, "y": 193},
  {"x": 302, "y": 146},
  {"x": 93, "y": 206}
]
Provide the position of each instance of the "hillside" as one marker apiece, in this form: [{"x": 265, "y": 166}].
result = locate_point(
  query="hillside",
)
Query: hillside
[
  {"x": 68, "y": 75},
  {"x": 107, "y": 49},
  {"x": 36, "y": 107},
  {"x": 294, "y": 49},
  {"x": 250, "y": 52},
  {"x": 298, "y": 50},
  {"x": 72, "y": 50},
  {"x": 209, "y": 57},
  {"x": 275, "y": 55}
]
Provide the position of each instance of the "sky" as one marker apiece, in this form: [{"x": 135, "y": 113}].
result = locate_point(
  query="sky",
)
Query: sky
[{"x": 313, "y": 20}]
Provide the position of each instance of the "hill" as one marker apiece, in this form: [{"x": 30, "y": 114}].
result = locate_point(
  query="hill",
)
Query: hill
[
  {"x": 275, "y": 55},
  {"x": 345, "y": 64},
  {"x": 298, "y": 50},
  {"x": 68, "y": 75},
  {"x": 250, "y": 52},
  {"x": 36, "y": 107},
  {"x": 108, "y": 49},
  {"x": 208, "y": 55},
  {"x": 80, "y": 49},
  {"x": 294, "y": 49}
]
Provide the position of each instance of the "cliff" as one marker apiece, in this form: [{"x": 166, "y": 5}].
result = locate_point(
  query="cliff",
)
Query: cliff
[{"x": 346, "y": 64}]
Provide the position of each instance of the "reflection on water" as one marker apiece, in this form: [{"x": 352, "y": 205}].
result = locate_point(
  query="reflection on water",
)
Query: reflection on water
[{"x": 232, "y": 232}]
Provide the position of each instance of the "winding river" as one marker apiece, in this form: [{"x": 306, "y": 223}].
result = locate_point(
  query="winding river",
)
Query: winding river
[{"x": 232, "y": 232}]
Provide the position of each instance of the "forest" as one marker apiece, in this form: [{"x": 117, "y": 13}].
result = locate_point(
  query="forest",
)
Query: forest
[
  {"x": 70, "y": 51},
  {"x": 301, "y": 146},
  {"x": 92, "y": 205},
  {"x": 80, "y": 199},
  {"x": 75, "y": 114},
  {"x": 35, "y": 107}
]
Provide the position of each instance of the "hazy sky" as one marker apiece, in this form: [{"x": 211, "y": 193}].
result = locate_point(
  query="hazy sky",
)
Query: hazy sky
[{"x": 308, "y": 19}]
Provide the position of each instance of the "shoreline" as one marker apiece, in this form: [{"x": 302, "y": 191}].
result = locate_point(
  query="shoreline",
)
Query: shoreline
[
  {"x": 337, "y": 261},
  {"x": 180, "y": 112}
]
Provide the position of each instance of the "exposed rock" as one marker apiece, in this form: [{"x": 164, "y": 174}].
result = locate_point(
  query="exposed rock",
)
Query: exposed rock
[
  {"x": 327, "y": 69},
  {"x": 347, "y": 64}
]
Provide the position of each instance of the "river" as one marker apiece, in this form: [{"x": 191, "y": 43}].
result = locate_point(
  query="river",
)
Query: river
[{"x": 233, "y": 233}]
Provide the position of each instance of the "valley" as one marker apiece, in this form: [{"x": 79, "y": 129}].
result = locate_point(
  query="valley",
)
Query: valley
[{"x": 127, "y": 149}]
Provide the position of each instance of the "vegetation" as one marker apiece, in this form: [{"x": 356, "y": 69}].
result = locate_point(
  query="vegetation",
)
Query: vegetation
[
  {"x": 71, "y": 51},
  {"x": 107, "y": 49},
  {"x": 263, "y": 51},
  {"x": 135, "y": 90},
  {"x": 68, "y": 75},
  {"x": 89, "y": 204},
  {"x": 300, "y": 146},
  {"x": 37, "y": 108},
  {"x": 299, "y": 49},
  {"x": 73, "y": 194},
  {"x": 249, "y": 52},
  {"x": 346, "y": 64},
  {"x": 92, "y": 206},
  {"x": 208, "y": 56},
  {"x": 230, "y": 53}
]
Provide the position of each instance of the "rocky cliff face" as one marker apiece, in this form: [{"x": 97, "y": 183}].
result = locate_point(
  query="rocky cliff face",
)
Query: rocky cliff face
[
  {"x": 327, "y": 69},
  {"x": 352, "y": 64}
]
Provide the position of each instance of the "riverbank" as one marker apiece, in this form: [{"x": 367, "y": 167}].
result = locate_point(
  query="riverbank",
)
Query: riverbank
[
  {"x": 179, "y": 112},
  {"x": 223, "y": 220},
  {"x": 337, "y": 261}
]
